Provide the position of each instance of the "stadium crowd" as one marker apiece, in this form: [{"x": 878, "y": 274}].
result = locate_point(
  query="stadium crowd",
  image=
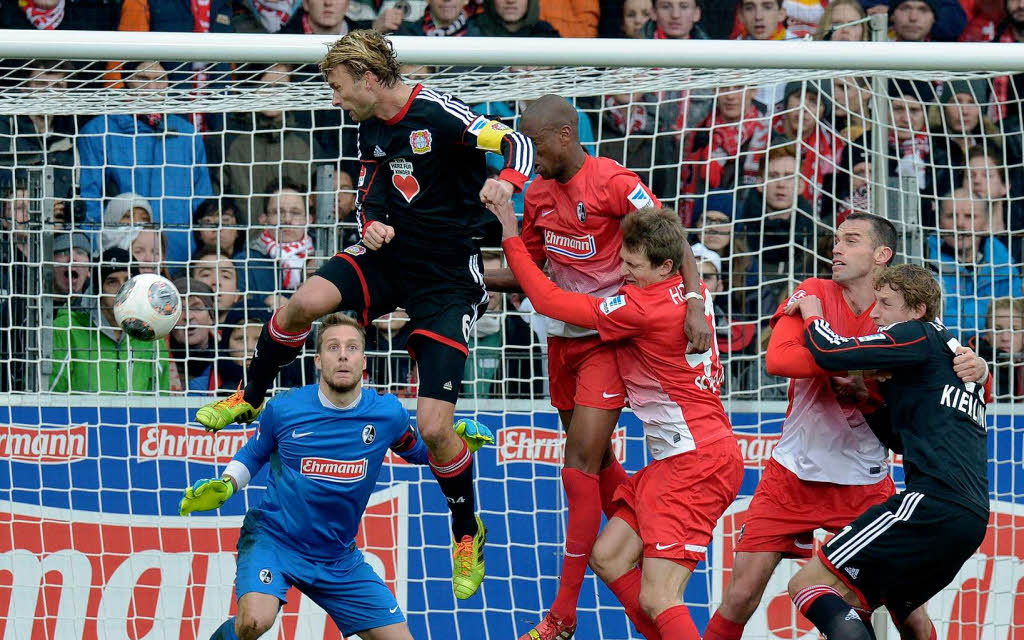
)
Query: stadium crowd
[{"x": 239, "y": 208}]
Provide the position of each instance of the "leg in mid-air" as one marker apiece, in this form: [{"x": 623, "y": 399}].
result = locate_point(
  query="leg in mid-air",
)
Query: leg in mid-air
[
  {"x": 451, "y": 457},
  {"x": 834, "y": 608},
  {"x": 280, "y": 342}
]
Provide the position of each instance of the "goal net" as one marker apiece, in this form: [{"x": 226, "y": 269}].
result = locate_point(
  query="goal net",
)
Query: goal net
[{"x": 239, "y": 177}]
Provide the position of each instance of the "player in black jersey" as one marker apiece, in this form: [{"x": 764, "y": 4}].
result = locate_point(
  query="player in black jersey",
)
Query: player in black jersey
[
  {"x": 422, "y": 192},
  {"x": 905, "y": 550}
]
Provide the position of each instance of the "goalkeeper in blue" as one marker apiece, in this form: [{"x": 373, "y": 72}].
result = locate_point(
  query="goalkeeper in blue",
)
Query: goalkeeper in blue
[{"x": 325, "y": 443}]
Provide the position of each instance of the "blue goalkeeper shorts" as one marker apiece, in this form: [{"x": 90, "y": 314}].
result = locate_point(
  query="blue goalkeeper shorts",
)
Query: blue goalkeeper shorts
[{"x": 347, "y": 588}]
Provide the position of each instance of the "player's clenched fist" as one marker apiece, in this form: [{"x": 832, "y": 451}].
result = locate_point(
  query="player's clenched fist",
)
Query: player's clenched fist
[
  {"x": 206, "y": 495},
  {"x": 506, "y": 215},
  {"x": 496, "y": 191},
  {"x": 377, "y": 234}
]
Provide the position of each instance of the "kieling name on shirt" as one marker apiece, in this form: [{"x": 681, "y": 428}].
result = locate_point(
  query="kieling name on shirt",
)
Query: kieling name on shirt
[{"x": 965, "y": 402}]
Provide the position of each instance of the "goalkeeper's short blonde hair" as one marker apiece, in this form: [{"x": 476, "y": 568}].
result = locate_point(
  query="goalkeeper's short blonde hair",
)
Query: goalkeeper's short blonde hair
[
  {"x": 361, "y": 51},
  {"x": 338, "y": 319}
]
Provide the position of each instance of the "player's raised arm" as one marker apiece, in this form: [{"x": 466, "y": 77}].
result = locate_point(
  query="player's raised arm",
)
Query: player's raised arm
[{"x": 698, "y": 333}]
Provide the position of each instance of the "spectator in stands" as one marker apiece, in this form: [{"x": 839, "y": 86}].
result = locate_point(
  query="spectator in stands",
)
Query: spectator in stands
[
  {"x": 123, "y": 217},
  {"x": 912, "y": 20},
  {"x": 724, "y": 150},
  {"x": 516, "y": 18},
  {"x": 20, "y": 278},
  {"x": 441, "y": 18},
  {"x": 193, "y": 340},
  {"x": 957, "y": 126},
  {"x": 216, "y": 226},
  {"x": 237, "y": 344},
  {"x": 72, "y": 258},
  {"x": 675, "y": 19},
  {"x": 157, "y": 156},
  {"x": 348, "y": 232},
  {"x": 33, "y": 140},
  {"x": 1001, "y": 344},
  {"x": 148, "y": 249},
  {"x": 987, "y": 179},
  {"x": 803, "y": 121},
  {"x": 764, "y": 20},
  {"x": 628, "y": 136},
  {"x": 948, "y": 21},
  {"x": 635, "y": 16},
  {"x": 45, "y": 15},
  {"x": 268, "y": 151},
  {"x": 1008, "y": 91},
  {"x": 839, "y": 13},
  {"x": 93, "y": 355},
  {"x": 221, "y": 274},
  {"x": 572, "y": 18},
  {"x": 276, "y": 258},
  {"x": 324, "y": 17},
  {"x": 851, "y": 106},
  {"x": 974, "y": 265},
  {"x": 776, "y": 222}
]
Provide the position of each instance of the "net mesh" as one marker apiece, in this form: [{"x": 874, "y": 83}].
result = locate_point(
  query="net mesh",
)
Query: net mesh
[{"x": 95, "y": 432}]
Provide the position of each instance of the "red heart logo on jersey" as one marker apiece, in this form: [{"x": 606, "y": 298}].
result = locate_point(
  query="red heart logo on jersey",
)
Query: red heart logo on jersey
[{"x": 408, "y": 186}]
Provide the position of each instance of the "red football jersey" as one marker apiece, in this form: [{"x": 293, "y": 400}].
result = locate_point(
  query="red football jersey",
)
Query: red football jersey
[
  {"x": 824, "y": 440},
  {"x": 674, "y": 394},
  {"x": 576, "y": 226}
]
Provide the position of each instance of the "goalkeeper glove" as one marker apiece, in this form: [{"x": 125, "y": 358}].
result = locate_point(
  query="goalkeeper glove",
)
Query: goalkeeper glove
[
  {"x": 206, "y": 495},
  {"x": 475, "y": 434}
]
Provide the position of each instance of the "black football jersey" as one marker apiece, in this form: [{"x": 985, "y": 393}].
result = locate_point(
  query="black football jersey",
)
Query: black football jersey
[
  {"x": 423, "y": 169},
  {"x": 937, "y": 418}
]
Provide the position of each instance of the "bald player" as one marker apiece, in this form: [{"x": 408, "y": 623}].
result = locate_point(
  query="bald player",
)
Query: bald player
[{"x": 571, "y": 222}]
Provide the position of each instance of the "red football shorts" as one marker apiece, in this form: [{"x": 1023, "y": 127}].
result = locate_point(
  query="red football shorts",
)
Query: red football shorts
[
  {"x": 584, "y": 371},
  {"x": 673, "y": 504},
  {"x": 786, "y": 510}
]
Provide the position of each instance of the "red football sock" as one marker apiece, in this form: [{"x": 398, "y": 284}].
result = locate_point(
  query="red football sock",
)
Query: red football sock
[
  {"x": 721, "y": 628},
  {"x": 611, "y": 477},
  {"x": 580, "y": 536},
  {"x": 627, "y": 590},
  {"x": 676, "y": 623}
]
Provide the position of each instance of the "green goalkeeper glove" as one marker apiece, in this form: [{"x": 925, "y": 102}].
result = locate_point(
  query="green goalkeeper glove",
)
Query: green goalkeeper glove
[
  {"x": 206, "y": 495},
  {"x": 475, "y": 434}
]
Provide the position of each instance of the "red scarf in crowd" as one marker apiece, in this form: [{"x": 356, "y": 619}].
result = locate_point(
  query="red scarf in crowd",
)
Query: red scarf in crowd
[
  {"x": 291, "y": 255},
  {"x": 626, "y": 118},
  {"x": 727, "y": 140},
  {"x": 274, "y": 14},
  {"x": 917, "y": 149},
  {"x": 45, "y": 19},
  {"x": 201, "y": 16}
]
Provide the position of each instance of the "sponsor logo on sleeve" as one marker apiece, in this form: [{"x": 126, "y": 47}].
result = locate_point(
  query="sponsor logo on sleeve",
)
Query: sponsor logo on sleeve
[
  {"x": 362, "y": 177},
  {"x": 639, "y": 198},
  {"x": 355, "y": 250},
  {"x": 611, "y": 304},
  {"x": 478, "y": 125},
  {"x": 799, "y": 293},
  {"x": 419, "y": 140}
]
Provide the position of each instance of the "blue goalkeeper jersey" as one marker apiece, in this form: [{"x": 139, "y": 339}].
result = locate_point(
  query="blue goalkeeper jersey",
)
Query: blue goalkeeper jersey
[{"x": 324, "y": 463}]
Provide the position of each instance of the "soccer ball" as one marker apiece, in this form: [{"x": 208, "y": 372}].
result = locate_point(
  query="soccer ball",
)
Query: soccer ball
[{"x": 147, "y": 307}]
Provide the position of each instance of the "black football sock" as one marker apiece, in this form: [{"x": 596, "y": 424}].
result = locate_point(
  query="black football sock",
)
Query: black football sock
[
  {"x": 831, "y": 614},
  {"x": 274, "y": 349},
  {"x": 455, "y": 477}
]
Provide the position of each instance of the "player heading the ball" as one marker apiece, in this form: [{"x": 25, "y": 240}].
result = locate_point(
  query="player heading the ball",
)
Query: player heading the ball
[
  {"x": 330, "y": 440},
  {"x": 420, "y": 201}
]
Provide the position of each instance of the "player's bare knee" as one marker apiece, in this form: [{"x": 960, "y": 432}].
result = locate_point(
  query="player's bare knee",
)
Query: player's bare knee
[
  {"x": 653, "y": 602},
  {"x": 917, "y": 626},
  {"x": 583, "y": 460},
  {"x": 435, "y": 434},
  {"x": 606, "y": 561},
  {"x": 741, "y": 600}
]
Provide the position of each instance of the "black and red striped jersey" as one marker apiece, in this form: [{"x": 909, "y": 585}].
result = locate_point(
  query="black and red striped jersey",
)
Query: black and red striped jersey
[
  {"x": 423, "y": 169},
  {"x": 938, "y": 421}
]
